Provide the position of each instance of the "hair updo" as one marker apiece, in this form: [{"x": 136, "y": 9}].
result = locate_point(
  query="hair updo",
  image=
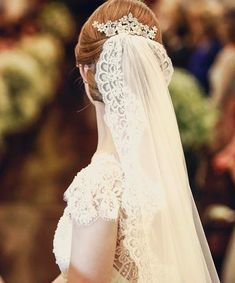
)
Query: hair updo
[{"x": 90, "y": 41}]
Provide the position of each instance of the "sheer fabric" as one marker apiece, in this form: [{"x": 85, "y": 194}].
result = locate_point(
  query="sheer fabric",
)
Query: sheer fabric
[
  {"x": 162, "y": 229},
  {"x": 146, "y": 188}
]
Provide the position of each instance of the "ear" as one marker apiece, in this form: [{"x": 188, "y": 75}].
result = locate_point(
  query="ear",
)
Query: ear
[{"x": 83, "y": 71}]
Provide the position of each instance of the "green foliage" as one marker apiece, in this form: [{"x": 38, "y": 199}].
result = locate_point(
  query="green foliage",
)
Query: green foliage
[
  {"x": 48, "y": 53},
  {"x": 57, "y": 20},
  {"x": 195, "y": 113},
  {"x": 30, "y": 70},
  {"x": 23, "y": 93}
]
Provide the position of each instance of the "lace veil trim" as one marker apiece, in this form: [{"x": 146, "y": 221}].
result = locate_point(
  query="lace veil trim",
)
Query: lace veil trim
[{"x": 126, "y": 120}]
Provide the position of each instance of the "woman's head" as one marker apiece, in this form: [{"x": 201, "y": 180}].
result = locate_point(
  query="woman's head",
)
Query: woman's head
[
  {"x": 203, "y": 22},
  {"x": 90, "y": 40}
]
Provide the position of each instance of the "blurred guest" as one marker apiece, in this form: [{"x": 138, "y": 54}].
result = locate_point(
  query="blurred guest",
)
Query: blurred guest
[
  {"x": 222, "y": 77},
  {"x": 176, "y": 36},
  {"x": 224, "y": 160},
  {"x": 203, "y": 25},
  {"x": 222, "y": 74}
]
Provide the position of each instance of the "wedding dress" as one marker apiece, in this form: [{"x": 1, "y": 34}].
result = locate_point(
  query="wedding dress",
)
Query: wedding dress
[
  {"x": 95, "y": 192},
  {"x": 144, "y": 185}
]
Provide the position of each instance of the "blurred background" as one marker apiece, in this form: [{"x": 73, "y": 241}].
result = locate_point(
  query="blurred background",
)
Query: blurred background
[{"x": 48, "y": 129}]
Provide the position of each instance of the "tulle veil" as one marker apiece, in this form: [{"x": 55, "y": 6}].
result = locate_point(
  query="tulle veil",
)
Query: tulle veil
[{"x": 163, "y": 231}]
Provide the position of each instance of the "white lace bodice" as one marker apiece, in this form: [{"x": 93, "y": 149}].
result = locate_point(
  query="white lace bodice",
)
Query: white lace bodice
[{"x": 95, "y": 192}]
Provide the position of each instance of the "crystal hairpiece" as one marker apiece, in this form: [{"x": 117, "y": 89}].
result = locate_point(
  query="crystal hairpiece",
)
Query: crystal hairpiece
[{"x": 127, "y": 24}]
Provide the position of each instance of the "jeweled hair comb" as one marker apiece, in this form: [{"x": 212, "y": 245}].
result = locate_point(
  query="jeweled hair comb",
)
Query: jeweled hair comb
[{"x": 127, "y": 24}]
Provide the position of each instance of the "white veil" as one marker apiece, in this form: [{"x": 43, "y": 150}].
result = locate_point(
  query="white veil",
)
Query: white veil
[{"x": 163, "y": 232}]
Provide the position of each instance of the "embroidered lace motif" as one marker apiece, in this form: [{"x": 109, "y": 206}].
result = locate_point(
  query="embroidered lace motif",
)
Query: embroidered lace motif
[
  {"x": 96, "y": 195},
  {"x": 101, "y": 189},
  {"x": 95, "y": 192},
  {"x": 126, "y": 121},
  {"x": 164, "y": 60}
]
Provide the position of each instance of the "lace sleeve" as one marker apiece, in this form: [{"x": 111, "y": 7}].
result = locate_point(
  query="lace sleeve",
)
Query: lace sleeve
[{"x": 95, "y": 193}]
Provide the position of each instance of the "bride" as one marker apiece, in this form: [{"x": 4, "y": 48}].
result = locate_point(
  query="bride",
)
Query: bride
[{"x": 130, "y": 215}]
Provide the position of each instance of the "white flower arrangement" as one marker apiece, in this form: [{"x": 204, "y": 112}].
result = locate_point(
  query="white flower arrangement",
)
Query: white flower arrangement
[
  {"x": 45, "y": 48},
  {"x": 48, "y": 53},
  {"x": 23, "y": 80},
  {"x": 195, "y": 113},
  {"x": 30, "y": 71},
  {"x": 57, "y": 20}
]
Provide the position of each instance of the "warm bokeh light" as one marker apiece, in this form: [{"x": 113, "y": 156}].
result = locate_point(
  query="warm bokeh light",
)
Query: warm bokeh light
[{"x": 48, "y": 129}]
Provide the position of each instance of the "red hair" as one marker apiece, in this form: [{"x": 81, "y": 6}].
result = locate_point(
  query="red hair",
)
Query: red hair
[{"x": 90, "y": 40}]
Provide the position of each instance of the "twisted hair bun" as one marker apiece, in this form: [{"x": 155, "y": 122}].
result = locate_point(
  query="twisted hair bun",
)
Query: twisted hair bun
[{"x": 90, "y": 40}]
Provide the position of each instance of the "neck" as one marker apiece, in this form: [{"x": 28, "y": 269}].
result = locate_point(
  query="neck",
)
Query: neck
[{"x": 105, "y": 141}]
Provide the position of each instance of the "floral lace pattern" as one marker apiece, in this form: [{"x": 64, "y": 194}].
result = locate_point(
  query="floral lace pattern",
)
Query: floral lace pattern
[
  {"x": 109, "y": 79},
  {"x": 95, "y": 192},
  {"x": 164, "y": 60},
  {"x": 90, "y": 197},
  {"x": 102, "y": 189},
  {"x": 126, "y": 121}
]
